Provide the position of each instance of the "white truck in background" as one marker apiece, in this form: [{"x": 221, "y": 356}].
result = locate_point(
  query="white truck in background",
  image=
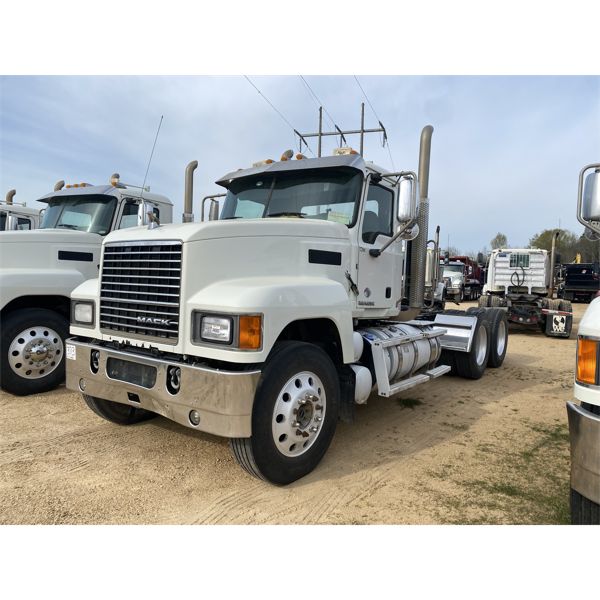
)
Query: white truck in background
[
  {"x": 267, "y": 325},
  {"x": 40, "y": 268},
  {"x": 16, "y": 216},
  {"x": 584, "y": 418},
  {"x": 520, "y": 280}
]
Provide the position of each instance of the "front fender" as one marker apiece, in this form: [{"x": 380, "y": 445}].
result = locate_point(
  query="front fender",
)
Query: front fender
[
  {"x": 17, "y": 283},
  {"x": 281, "y": 300}
]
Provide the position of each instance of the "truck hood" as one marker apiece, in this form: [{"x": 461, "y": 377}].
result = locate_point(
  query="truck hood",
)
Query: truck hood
[
  {"x": 238, "y": 228},
  {"x": 39, "y": 248}
]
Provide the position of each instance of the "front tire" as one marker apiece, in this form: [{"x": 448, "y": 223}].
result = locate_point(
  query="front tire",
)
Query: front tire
[
  {"x": 32, "y": 351},
  {"x": 294, "y": 415},
  {"x": 115, "y": 412}
]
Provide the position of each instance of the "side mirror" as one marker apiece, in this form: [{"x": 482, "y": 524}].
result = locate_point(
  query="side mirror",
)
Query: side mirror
[
  {"x": 407, "y": 200},
  {"x": 11, "y": 223},
  {"x": 588, "y": 200},
  {"x": 142, "y": 216},
  {"x": 213, "y": 211}
]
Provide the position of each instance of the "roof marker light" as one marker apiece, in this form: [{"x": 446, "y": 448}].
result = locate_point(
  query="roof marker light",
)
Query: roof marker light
[
  {"x": 287, "y": 155},
  {"x": 262, "y": 163},
  {"x": 300, "y": 156}
]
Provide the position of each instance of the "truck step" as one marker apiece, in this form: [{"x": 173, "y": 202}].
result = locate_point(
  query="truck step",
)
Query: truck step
[{"x": 413, "y": 381}]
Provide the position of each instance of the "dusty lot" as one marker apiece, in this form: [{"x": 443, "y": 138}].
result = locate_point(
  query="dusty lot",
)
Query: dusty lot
[{"x": 454, "y": 451}]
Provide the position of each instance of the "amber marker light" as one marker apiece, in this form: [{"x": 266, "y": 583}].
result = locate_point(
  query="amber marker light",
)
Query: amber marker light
[
  {"x": 250, "y": 332},
  {"x": 587, "y": 355}
]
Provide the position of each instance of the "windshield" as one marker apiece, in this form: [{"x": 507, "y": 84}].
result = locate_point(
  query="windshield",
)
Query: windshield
[
  {"x": 450, "y": 270},
  {"x": 330, "y": 195},
  {"x": 82, "y": 213}
]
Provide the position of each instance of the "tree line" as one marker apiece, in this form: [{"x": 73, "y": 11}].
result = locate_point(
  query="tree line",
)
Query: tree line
[{"x": 568, "y": 246}]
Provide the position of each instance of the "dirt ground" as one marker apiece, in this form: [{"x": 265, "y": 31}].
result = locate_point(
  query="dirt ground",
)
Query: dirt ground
[{"x": 452, "y": 451}]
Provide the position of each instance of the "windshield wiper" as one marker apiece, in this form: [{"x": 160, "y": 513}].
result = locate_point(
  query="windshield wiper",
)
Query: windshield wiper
[
  {"x": 68, "y": 226},
  {"x": 228, "y": 218},
  {"x": 288, "y": 213}
]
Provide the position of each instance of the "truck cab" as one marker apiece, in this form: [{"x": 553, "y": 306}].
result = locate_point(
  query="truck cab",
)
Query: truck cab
[
  {"x": 268, "y": 324},
  {"x": 584, "y": 416},
  {"x": 16, "y": 216},
  {"x": 40, "y": 268}
]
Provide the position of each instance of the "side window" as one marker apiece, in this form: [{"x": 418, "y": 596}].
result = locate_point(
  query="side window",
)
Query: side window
[
  {"x": 378, "y": 213},
  {"x": 23, "y": 223},
  {"x": 130, "y": 215}
]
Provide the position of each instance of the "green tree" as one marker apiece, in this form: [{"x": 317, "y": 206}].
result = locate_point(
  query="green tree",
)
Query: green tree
[
  {"x": 499, "y": 241},
  {"x": 566, "y": 244}
]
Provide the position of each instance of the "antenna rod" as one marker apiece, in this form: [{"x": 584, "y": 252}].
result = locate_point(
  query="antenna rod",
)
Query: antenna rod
[
  {"x": 150, "y": 159},
  {"x": 362, "y": 127},
  {"x": 320, "y": 130}
]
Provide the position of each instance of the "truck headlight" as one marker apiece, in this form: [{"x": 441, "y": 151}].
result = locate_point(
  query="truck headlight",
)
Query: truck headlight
[
  {"x": 587, "y": 361},
  {"x": 82, "y": 312},
  {"x": 216, "y": 329},
  {"x": 243, "y": 332}
]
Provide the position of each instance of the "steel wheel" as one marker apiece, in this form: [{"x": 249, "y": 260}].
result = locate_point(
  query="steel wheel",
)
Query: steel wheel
[
  {"x": 298, "y": 414},
  {"x": 482, "y": 343},
  {"x": 35, "y": 352},
  {"x": 501, "y": 338}
]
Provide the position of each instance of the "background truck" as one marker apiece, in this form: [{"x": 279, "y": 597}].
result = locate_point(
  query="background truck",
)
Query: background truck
[
  {"x": 520, "y": 281},
  {"x": 40, "y": 268},
  {"x": 463, "y": 278},
  {"x": 267, "y": 325},
  {"x": 15, "y": 216},
  {"x": 584, "y": 418},
  {"x": 580, "y": 281}
]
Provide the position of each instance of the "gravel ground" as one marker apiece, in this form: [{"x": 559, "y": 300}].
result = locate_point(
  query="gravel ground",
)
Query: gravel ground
[{"x": 452, "y": 451}]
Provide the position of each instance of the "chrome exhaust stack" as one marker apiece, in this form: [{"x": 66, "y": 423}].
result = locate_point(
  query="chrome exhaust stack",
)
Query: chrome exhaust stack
[
  {"x": 552, "y": 261},
  {"x": 418, "y": 257},
  {"x": 188, "y": 214},
  {"x": 10, "y": 195}
]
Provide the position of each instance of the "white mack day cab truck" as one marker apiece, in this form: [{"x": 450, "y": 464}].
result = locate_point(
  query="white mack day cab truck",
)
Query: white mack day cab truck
[
  {"x": 584, "y": 418},
  {"x": 267, "y": 325},
  {"x": 40, "y": 268}
]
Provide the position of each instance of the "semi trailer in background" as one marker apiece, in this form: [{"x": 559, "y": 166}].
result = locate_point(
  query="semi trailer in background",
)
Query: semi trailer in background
[{"x": 580, "y": 281}]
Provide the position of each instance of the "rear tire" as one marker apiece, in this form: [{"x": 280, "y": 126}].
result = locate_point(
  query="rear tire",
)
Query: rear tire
[
  {"x": 471, "y": 365},
  {"x": 583, "y": 510},
  {"x": 121, "y": 414},
  {"x": 484, "y": 301},
  {"x": 498, "y": 336},
  {"x": 289, "y": 437}
]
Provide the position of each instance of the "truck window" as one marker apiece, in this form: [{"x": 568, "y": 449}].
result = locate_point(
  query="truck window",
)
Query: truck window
[
  {"x": 378, "y": 213},
  {"x": 519, "y": 260},
  {"x": 129, "y": 218},
  {"x": 23, "y": 223},
  {"x": 327, "y": 194}
]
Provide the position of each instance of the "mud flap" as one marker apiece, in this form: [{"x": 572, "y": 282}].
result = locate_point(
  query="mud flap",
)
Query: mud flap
[{"x": 558, "y": 324}]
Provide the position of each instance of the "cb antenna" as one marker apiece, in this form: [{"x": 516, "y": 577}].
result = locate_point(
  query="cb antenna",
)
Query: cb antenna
[{"x": 150, "y": 159}]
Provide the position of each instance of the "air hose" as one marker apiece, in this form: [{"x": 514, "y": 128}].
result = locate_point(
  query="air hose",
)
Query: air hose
[{"x": 520, "y": 281}]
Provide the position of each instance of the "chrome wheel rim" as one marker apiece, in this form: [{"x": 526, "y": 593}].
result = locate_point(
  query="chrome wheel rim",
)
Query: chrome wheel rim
[
  {"x": 299, "y": 414},
  {"x": 35, "y": 352},
  {"x": 501, "y": 343},
  {"x": 481, "y": 345}
]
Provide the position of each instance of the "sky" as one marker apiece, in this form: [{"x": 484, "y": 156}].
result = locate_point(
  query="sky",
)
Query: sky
[{"x": 506, "y": 151}]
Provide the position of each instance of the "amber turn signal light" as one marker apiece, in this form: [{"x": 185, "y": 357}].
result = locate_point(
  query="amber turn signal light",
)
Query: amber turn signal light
[
  {"x": 250, "y": 332},
  {"x": 587, "y": 356}
]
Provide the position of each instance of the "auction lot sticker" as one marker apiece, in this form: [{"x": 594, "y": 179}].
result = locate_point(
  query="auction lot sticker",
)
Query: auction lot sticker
[{"x": 71, "y": 352}]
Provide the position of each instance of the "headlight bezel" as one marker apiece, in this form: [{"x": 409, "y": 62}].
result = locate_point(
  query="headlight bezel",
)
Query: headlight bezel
[
  {"x": 238, "y": 321},
  {"x": 74, "y": 321}
]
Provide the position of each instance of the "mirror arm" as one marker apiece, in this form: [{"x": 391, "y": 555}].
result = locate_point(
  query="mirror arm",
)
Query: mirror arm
[
  {"x": 375, "y": 252},
  {"x": 211, "y": 197}
]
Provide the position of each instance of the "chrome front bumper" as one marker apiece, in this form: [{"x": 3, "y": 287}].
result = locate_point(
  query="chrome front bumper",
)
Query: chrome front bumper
[
  {"x": 584, "y": 431},
  {"x": 223, "y": 399}
]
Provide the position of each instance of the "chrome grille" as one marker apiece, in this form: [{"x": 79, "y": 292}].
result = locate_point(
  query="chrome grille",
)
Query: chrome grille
[{"x": 140, "y": 288}]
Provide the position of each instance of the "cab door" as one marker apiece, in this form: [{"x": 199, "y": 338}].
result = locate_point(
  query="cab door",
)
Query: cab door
[{"x": 378, "y": 277}]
